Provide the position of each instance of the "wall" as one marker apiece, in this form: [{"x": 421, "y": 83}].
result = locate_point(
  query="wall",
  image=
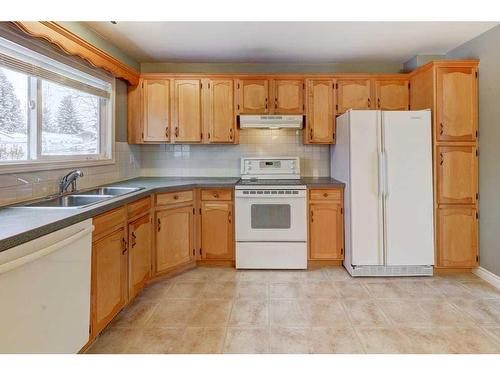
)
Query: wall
[
  {"x": 224, "y": 160},
  {"x": 420, "y": 60},
  {"x": 485, "y": 48}
]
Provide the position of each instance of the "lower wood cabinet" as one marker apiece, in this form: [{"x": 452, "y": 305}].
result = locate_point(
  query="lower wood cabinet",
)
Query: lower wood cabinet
[
  {"x": 109, "y": 278},
  {"x": 217, "y": 240},
  {"x": 326, "y": 224},
  {"x": 457, "y": 237},
  {"x": 174, "y": 237},
  {"x": 139, "y": 241}
]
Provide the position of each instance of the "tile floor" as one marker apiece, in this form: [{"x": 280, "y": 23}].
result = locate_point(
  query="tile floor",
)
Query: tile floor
[{"x": 221, "y": 310}]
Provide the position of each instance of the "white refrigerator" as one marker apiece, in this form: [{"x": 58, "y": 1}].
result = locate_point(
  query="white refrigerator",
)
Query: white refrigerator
[{"x": 385, "y": 160}]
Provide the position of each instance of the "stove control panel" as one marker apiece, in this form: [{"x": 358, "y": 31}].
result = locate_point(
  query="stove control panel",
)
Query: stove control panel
[{"x": 272, "y": 167}]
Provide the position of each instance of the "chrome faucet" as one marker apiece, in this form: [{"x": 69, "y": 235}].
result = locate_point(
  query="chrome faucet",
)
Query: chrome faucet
[{"x": 69, "y": 179}]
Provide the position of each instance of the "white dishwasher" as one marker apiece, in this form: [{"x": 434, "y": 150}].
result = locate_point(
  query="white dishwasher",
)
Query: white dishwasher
[{"x": 45, "y": 292}]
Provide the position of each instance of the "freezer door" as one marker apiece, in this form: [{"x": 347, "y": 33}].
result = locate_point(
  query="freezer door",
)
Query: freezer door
[
  {"x": 408, "y": 202},
  {"x": 365, "y": 198}
]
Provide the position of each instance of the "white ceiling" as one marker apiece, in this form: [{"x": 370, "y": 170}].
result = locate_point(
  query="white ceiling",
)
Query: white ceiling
[{"x": 286, "y": 42}]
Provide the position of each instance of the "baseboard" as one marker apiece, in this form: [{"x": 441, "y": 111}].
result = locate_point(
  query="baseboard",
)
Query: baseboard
[
  {"x": 487, "y": 276},
  {"x": 215, "y": 263}
]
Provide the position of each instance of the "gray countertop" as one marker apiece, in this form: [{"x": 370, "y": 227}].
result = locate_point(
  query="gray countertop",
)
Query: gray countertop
[{"x": 20, "y": 225}]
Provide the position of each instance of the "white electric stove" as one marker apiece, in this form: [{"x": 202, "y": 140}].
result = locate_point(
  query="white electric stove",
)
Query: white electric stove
[{"x": 271, "y": 226}]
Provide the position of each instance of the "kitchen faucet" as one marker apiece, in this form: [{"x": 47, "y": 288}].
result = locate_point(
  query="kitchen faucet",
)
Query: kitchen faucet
[{"x": 69, "y": 179}]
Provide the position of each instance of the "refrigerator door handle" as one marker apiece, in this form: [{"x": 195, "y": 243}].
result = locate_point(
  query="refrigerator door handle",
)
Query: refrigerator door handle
[
  {"x": 380, "y": 173},
  {"x": 386, "y": 176}
]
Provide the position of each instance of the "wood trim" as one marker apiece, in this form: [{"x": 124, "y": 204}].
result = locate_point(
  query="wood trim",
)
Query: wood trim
[
  {"x": 75, "y": 45},
  {"x": 315, "y": 263}
]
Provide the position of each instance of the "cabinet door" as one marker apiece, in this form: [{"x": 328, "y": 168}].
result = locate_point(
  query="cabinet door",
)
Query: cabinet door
[
  {"x": 139, "y": 240},
  {"x": 353, "y": 94},
  {"x": 221, "y": 111},
  {"x": 326, "y": 231},
  {"x": 456, "y": 112},
  {"x": 253, "y": 96},
  {"x": 217, "y": 230},
  {"x": 174, "y": 237},
  {"x": 320, "y": 117},
  {"x": 156, "y": 107},
  {"x": 187, "y": 110},
  {"x": 457, "y": 236},
  {"x": 392, "y": 95},
  {"x": 109, "y": 278},
  {"x": 288, "y": 96},
  {"x": 457, "y": 174}
]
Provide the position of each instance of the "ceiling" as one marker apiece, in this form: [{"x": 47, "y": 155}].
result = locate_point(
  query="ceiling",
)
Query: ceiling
[{"x": 286, "y": 42}]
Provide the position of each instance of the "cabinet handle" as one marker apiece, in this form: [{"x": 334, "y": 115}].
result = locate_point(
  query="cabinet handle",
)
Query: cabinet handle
[
  {"x": 369, "y": 103},
  {"x": 378, "y": 103},
  {"x": 176, "y": 131},
  {"x": 231, "y": 134},
  {"x": 311, "y": 132},
  {"x": 312, "y": 216},
  {"x": 124, "y": 244},
  {"x": 229, "y": 217},
  {"x": 216, "y": 195},
  {"x": 441, "y": 161},
  {"x": 176, "y": 197},
  {"x": 166, "y": 132},
  {"x": 276, "y": 103},
  {"x": 441, "y": 128},
  {"x": 208, "y": 135},
  {"x": 159, "y": 224},
  {"x": 325, "y": 195},
  {"x": 134, "y": 240}
]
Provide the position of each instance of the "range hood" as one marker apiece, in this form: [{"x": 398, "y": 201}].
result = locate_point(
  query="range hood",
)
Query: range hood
[{"x": 270, "y": 121}]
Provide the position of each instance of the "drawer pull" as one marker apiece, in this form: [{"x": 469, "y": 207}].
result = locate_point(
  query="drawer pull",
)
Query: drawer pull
[
  {"x": 134, "y": 240},
  {"x": 176, "y": 197},
  {"x": 124, "y": 244},
  {"x": 325, "y": 195},
  {"x": 216, "y": 195}
]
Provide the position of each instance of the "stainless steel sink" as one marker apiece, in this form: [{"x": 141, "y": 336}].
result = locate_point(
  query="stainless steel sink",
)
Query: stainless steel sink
[
  {"x": 69, "y": 201},
  {"x": 109, "y": 190}
]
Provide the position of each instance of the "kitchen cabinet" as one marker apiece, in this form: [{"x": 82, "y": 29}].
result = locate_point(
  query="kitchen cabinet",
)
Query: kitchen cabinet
[
  {"x": 456, "y": 174},
  {"x": 221, "y": 119},
  {"x": 187, "y": 111},
  {"x": 353, "y": 94},
  {"x": 156, "y": 104},
  {"x": 392, "y": 95},
  {"x": 320, "y": 117},
  {"x": 174, "y": 237},
  {"x": 109, "y": 278},
  {"x": 217, "y": 240},
  {"x": 139, "y": 243},
  {"x": 456, "y": 98},
  {"x": 253, "y": 96},
  {"x": 326, "y": 224},
  {"x": 457, "y": 236},
  {"x": 288, "y": 96}
]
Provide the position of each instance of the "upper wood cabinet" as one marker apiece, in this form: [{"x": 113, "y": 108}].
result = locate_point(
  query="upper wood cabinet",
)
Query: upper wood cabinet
[
  {"x": 353, "y": 94},
  {"x": 187, "y": 111},
  {"x": 456, "y": 174},
  {"x": 174, "y": 237},
  {"x": 156, "y": 104},
  {"x": 457, "y": 238},
  {"x": 392, "y": 95},
  {"x": 217, "y": 230},
  {"x": 253, "y": 96},
  {"x": 139, "y": 243},
  {"x": 320, "y": 117},
  {"x": 456, "y": 112},
  {"x": 288, "y": 96},
  {"x": 221, "y": 119},
  {"x": 422, "y": 90}
]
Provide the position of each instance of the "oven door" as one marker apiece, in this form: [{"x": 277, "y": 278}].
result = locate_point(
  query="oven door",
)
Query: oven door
[{"x": 265, "y": 218}]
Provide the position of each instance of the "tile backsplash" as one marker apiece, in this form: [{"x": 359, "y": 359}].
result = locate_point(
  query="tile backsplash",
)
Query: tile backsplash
[
  {"x": 224, "y": 160},
  {"x": 24, "y": 186}
]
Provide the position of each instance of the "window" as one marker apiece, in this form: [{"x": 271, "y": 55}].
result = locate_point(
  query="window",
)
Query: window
[{"x": 51, "y": 113}]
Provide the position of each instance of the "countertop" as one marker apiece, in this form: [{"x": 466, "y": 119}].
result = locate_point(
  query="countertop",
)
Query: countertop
[{"x": 20, "y": 225}]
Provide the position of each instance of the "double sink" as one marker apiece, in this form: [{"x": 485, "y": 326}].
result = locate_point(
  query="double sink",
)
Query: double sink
[{"x": 81, "y": 199}]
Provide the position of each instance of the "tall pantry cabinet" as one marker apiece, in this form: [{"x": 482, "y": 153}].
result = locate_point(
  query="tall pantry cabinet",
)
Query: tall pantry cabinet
[{"x": 450, "y": 89}]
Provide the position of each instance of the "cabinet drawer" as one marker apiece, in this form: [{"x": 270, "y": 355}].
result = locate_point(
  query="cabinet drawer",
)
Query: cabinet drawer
[
  {"x": 216, "y": 195},
  {"x": 325, "y": 195},
  {"x": 172, "y": 198},
  {"x": 139, "y": 206},
  {"x": 109, "y": 221}
]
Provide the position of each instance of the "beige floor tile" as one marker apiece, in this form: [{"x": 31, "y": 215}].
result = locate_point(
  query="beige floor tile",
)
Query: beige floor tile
[
  {"x": 114, "y": 340},
  {"x": 286, "y": 276},
  {"x": 286, "y": 290},
  {"x": 319, "y": 274},
  {"x": 450, "y": 288},
  {"x": 156, "y": 340},
  {"x": 288, "y": 312},
  {"x": 195, "y": 274},
  {"x": 419, "y": 289},
  {"x": 481, "y": 289},
  {"x": 246, "y": 340},
  {"x": 427, "y": 340},
  {"x": 156, "y": 290},
  {"x": 384, "y": 289},
  {"x": 252, "y": 289},
  {"x": 334, "y": 340},
  {"x": 481, "y": 311},
  {"x": 351, "y": 289},
  {"x": 337, "y": 273},
  {"x": 319, "y": 289},
  {"x": 442, "y": 313},
  {"x": 224, "y": 274},
  {"x": 403, "y": 312},
  {"x": 472, "y": 340},
  {"x": 289, "y": 340},
  {"x": 364, "y": 313},
  {"x": 249, "y": 312},
  {"x": 201, "y": 340},
  {"x": 254, "y": 275},
  {"x": 185, "y": 289},
  {"x": 211, "y": 312},
  {"x": 324, "y": 313},
  {"x": 493, "y": 332},
  {"x": 462, "y": 276},
  {"x": 383, "y": 340},
  {"x": 136, "y": 314},
  {"x": 219, "y": 289},
  {"x": 172, "y": 313}
]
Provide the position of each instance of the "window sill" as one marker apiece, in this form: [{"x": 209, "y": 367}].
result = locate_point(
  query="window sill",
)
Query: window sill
[{"x": 44, "y": 165}]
